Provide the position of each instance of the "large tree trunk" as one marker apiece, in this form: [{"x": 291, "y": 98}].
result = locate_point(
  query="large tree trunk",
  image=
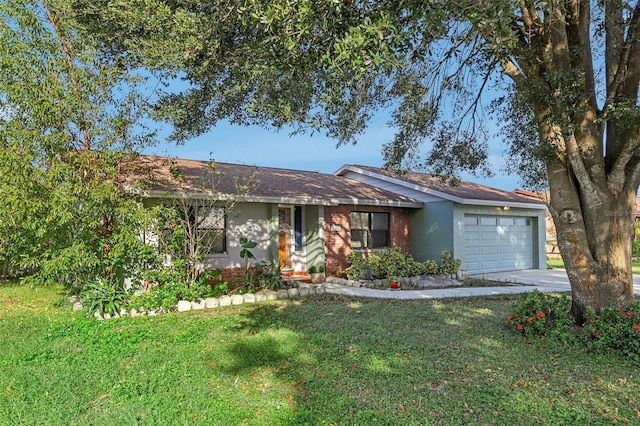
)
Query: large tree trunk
[{"x": 595, "y": 231}]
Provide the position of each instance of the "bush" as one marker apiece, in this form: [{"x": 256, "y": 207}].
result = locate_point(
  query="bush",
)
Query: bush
[
  {"x": 393, "y": 263},
  {"x": 636, "y": 249},
  {"x": 356, "y": 264},
  {"x": 614, "y": 330},
  {"x": 611, "y": 331},
  {"x": 270, "y": 276},
  {"x": 448, "y": 266},
  {"x": 538, "y": 314},
  {"x": 105, "y": 298}
]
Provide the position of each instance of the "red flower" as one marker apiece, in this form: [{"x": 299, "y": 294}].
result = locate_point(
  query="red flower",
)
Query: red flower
[
  {"x": 519, "y": 327},
  {"x": 516, "y": 316},
  {"x": 597, "y": 334},
  {"x": 629, "y": 314},
  {"x": 540, "y": 314},
  {"x": 509, "y": 318},
  {"x": 529, "y": 319},
  {"x": 637, "y": 327}
]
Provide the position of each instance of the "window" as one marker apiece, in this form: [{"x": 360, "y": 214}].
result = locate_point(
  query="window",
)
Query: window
[
  {"x": 210, "y": 223},
  {"x": 369, "y": 230}
]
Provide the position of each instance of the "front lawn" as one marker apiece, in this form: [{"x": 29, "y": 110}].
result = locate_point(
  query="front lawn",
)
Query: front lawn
[{"x": 318, "y": 360}]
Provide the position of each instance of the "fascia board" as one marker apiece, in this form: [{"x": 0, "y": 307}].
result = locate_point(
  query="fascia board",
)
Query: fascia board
[
  {"x": 491, "y": 203},
  {"x": 275, "y": 200}
]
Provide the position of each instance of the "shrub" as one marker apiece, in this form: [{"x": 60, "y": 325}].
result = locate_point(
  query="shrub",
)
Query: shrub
[
  {"x": 543, "y": 315},
  {"x": 393, "y": 263},
  {"x": 356, "y": 263},
  {"x": 448, "y": 266},
  {"x": 614, "y": 330},
  {"x": 105, "y": 298},
  {"x": 270, "y": 276},
  {"x": 636, "y": 249}
]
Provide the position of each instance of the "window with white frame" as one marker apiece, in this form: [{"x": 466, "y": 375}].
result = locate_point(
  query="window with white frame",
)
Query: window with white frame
[{"x": 210, "y": 222}]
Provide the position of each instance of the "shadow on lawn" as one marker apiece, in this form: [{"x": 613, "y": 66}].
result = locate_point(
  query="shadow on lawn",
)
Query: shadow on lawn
[
  {"x": 363, "y": 361},
  {"x": 366, "y": 361}
]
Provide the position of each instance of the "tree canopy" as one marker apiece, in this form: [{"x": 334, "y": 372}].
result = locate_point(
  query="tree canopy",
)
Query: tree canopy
[
  {"x": 568, "y": 72},
  {"x": 66, "y": 115}
]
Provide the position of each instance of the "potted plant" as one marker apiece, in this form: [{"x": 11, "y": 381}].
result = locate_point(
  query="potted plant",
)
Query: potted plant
[
  {"x": 366, "y": 271},
  {"x": 316, "y": 273}
]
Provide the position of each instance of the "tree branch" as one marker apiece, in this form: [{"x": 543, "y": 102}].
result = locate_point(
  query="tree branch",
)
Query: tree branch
[
  {"x": 617, "y": 176},
  {"x": 578, "y": 166},
  {"x": 628, "y": 56},
  {"x": 64, "y": 40}
]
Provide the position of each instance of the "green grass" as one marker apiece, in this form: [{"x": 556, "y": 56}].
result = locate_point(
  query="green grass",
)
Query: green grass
[
  {"x": 553, "y": 263},
  {"x": 319, "y": 360}
]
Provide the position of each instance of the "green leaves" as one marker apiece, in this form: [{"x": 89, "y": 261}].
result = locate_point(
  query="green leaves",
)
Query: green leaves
[
  {"x": 66, "y": 117},
  {"x": 247, "y": 245}
]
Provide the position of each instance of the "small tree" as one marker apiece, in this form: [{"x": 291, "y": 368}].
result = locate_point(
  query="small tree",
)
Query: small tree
[
  {"x": 198, "y": 213},
  {"x": 66, "y": 115}
]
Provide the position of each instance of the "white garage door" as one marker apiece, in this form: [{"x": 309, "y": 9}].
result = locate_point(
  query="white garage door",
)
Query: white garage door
[{"x": 493, "y": 243}]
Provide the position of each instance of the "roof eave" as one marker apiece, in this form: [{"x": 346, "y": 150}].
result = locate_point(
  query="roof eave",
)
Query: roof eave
[
  {"x": 275, "y": 200},
  {"x": 443, "y": 195},
  {"x": 510, "y": 204},
  {"x": 410, "y": 185}
]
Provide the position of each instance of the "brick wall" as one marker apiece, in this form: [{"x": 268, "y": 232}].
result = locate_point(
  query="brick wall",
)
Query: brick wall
[
  {"x": 337, "y": 233},
  {"x": 232, "y": 276}
]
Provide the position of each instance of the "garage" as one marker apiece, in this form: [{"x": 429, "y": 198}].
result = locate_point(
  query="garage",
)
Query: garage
[{"x": 498, "y": 243}]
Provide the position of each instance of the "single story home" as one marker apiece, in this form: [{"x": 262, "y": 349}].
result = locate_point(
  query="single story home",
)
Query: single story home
[
  {"x": 299, "y": 217},
  {"x": 490, "y": 230},
  {"x": 305, "y": 219}
]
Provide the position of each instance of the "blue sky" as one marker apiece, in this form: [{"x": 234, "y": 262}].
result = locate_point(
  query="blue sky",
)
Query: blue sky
[{"x": 262, "y": 147}]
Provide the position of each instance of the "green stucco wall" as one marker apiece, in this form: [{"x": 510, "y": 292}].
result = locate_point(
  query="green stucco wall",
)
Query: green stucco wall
[
  {"x": 432, "y": 230},
  {"x": 314, "y": 235},
  {"x": 273, "y": 231}
]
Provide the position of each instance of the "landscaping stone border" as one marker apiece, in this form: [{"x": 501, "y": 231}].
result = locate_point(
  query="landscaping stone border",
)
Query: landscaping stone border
[
  {"x": 302, "y": 290},
  {"x": 417, "y": 282}
]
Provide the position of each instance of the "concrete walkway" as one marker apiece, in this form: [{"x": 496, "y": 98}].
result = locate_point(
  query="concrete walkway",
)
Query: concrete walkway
[{"x": 544, "y": 280}]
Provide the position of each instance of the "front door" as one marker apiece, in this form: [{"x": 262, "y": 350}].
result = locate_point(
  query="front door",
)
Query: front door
[{"x": 285, "y": 237}]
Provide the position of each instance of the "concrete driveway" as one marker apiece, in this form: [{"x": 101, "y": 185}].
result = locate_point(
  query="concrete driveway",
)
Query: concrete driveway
[{"x": 543, "y": 278}]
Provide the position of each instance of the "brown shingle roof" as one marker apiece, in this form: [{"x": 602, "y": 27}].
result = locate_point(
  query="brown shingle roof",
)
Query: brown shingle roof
[
  {"x": 153, "y": 174},
  {"x": 463, "y": 190}
]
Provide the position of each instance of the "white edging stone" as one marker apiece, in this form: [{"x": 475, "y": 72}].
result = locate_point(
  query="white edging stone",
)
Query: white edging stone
[
  {"x": 184, "y": 306},
  {"x": 272, "y": 295},
  {"x": 197, "y": 304},
  {"x": 237, "y": 299},
  {"x": 304, "y": 289},
  {"x": 211, "y": 302}
]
